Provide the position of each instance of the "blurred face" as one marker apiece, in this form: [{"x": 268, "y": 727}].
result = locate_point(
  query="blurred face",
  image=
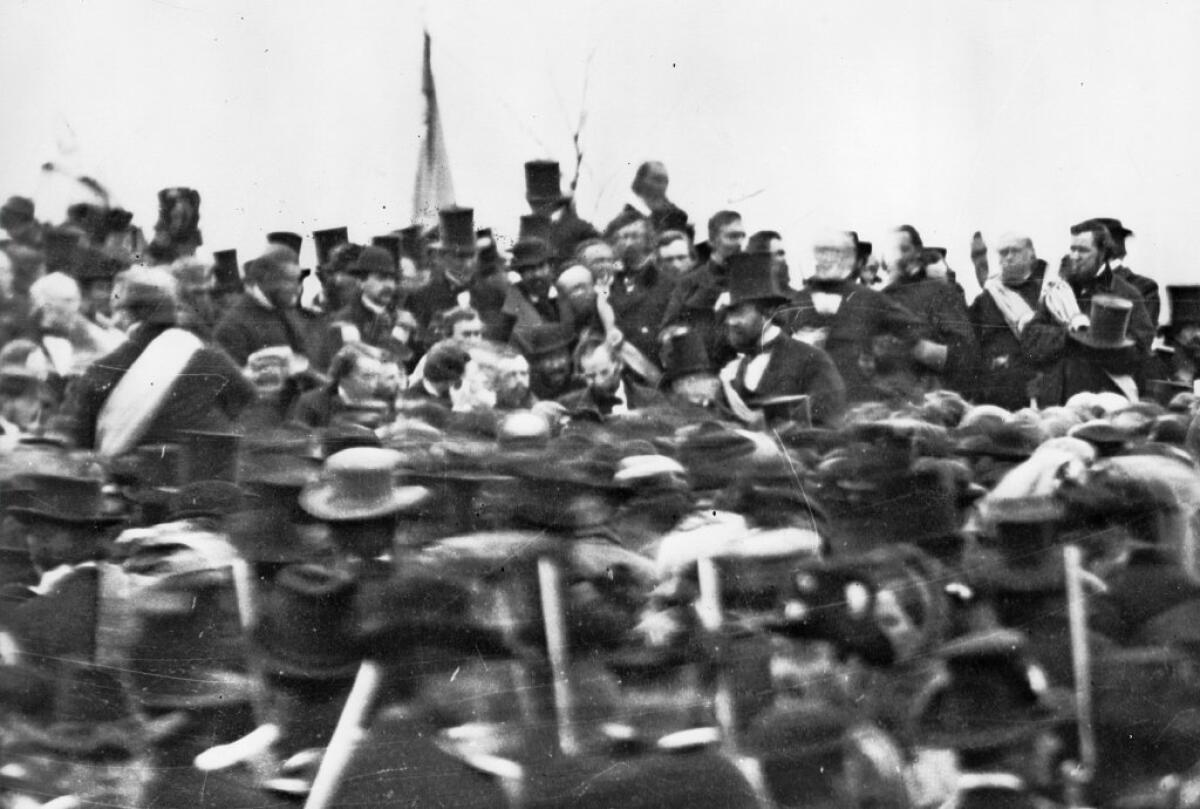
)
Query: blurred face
[
  {"x": 699, "y": 389},
  {"x": 467, "y": 333},
  {"x": 938, "y": 270},
  {"x": 412, "y": 277},
  {"x": 601, "y": 370},
  {"x": 267, "y": 374},
  {"x": 601, "y": 260},
  {"x": 554, "y": 368},
  {"x": 363, "y": 382},
  {"x": 1085, "y": 256},
  {"x": 345, "y": 287},
  {"x": 99, "y": 297},
  {"x": 512, "y": 383},
  {"x": 654, "y": 183},
  {"x": 744, "y": 324},
  {"x": 282, "y": 286},
  {"x": 578, "y": 289},
  {"x": 458, "y": 265},
  {"x": 1189, "y": 337},
  {"x": 537, "y": 279},
  {"x": 635, "y": 236},
  {"x": 906, "y": 251},
  {"x": 728, "y": 240},
  {"x": 51, "y": 545},
  {"x": 1016, "y": 260},
  {"x": 59, "y": 309},
  {"x": 379, "y": 288},
  {"x": 675, "y": 258},
  {"x": 833, "y": 262}
]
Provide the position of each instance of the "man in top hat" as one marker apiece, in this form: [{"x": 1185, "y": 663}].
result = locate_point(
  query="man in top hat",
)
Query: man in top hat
[
  {"x": 609, "y": 391},
  {"x": 543, "y": 192},
  {"x": 1000, "y": 314},
  {"x": 547, "y": 348},
  {"x": 265, "y": 315},
  {"x": 370, "y": 318},
  {"x": 700, "y": 299},
  {"x": 1147, "y": 286},
  {"x": 455, "y": 280},
  {"x": 949, "y": 354},
  {"x": 844, "y": 318},
  {"x": 529, "y": 301},
  {"x": 161, "y": 381},
  {"x": 1074, "y": 353},
  {"x": 772, "y": 364}
]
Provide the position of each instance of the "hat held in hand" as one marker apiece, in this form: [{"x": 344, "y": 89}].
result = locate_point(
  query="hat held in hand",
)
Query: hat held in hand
[{"x": 1109, "y": 324}]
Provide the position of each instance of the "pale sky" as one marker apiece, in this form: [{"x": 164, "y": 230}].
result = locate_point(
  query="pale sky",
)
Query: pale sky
[{"x": 955, "y": 116}]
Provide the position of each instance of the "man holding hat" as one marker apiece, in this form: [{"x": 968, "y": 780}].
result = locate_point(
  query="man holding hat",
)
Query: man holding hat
[
  {"x": 543, "y": 192},
  {"x": 1091, "y": 331},
  {"x": 772, "y": 364},
  {"x": 161, "y": 381},
  {"x": 456, "y": 280}
]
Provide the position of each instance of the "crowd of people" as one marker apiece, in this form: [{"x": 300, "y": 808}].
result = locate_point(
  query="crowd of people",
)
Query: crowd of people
[{"x": 624, "y": 517}]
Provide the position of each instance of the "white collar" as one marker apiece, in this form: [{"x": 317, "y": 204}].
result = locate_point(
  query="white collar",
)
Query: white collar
[
  {"x": 639, "y": 205},
  {"x": 769, "y": 333},
  {"x": 1115, "y": 263},
  {"x": 374, "y": 308},
  {"x": 259, "y": 297},
  {"x": 982, "y": 780}
]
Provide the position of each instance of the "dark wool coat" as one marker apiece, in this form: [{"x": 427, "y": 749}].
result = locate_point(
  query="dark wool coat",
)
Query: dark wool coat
[
  {"x": 249, "y": 326},
  {"x": 640, "y": 311},
  {"x": 693, "y": 303},
  {"x": 1005, "y": 370},
  {"x": 795, "y": 368},
  {"x": 940, "y": 305}
]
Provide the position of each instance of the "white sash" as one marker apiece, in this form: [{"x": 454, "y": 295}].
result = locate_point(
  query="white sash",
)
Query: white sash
[
  {"x": 736, "y": 404},
  {"x": 138, "y": 397}
]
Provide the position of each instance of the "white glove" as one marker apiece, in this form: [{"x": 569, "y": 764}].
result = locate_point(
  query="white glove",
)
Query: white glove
[{"x": 1061, "y": 303}]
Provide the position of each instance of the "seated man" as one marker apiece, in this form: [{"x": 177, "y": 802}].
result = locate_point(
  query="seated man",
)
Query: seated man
[
  {"x": 609, "y": 391},
  {"x": 772, "y": 364}
]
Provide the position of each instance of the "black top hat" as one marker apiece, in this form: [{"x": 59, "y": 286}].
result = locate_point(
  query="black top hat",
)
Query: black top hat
[
  {"x": 293, "y": 241},
  {"x": 391, "y": 244},
  {"x": 1115, "y": 228},
  {"x": 209, "y": 455},
  {"x": 862, "y": 250},
  {"x": 543, "y": 181},
  {"x": 412, "y": 242},
  {"x": 713, "y": 455},
  {"x": 325, "y": 240},
  {"x": 1185, "y": 306},
  {"x": 61, "y": 499},
  {"x": 374, "y": 260},
  {"x": 1109, "y": 324},
  {"x": 543, "y": 339},
  {"x": 457, "y": 228},
  {"x": 226, "y": 273},
  {"x": 683, "y": 352},
  {"x": 751, "y": 280},
  {"x": 529, "y": 254},
  {"x": 309, "y": 624},
  {"x": 534, "y": 226},
  {"x": 993, "y": 695}
]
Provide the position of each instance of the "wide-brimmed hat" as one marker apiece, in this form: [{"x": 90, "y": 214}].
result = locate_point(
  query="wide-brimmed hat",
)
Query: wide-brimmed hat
[
  {"x": 528, "y": 254},
  {"x": 309, "y": 625},
  {"x": 543, "y": 181},
  {"x": 992, "y": 694},
  {"x": 60, "y": 498},
  {"x": 359, "y": 484},
  {"x": 1109, "y": 318},
  {"x": 752, "y": 280}
]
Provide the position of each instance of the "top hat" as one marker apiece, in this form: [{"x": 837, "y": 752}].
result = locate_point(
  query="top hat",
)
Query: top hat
[
  {"x": 457, "y": 228},
  {"x": 357, "y": 484},
  {"x": 529, "y": 254},
  {"x": 325, "y": 240},
  {"x": 209, "y": 455},
  {"x": 862, "y": 250},
  {"x": 543, "y": 339},
  {"x": 683, "y": 352},
  {"x": 751, "y": 280},
  {"x": 227, "y": 276},
  {"x": 534, "y": 226},
  {"x": 1115, "y": 228},
  {"x": 412, "y": 242},
  {"x": 60, "y": 498},
  {"x": 1109, "y": 324},
  {"x": 309, "y": 624},
  {"x": 543, "y": 181},
  {"x": 374, "y": 260},
  {"x": 992, "y": 695},
  {"x": 292, "y": 241},
  {"x": 390, "y": 243},
  {"x": 711, "y": 455},
  {"x": 1185, "y": 306}
]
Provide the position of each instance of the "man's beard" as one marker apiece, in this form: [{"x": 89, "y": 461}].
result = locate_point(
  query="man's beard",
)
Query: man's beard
[{"x": 512, "y": 398}]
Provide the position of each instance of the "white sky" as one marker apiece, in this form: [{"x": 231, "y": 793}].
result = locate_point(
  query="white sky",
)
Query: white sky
[{"x": 954, "y": 115}]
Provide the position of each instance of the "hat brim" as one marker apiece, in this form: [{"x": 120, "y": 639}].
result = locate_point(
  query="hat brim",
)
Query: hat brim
[
  {"x": 992, "y": 735},
  {"x": 775, "y": 300},
  {"x": 324, "y": 503},
  {"x": 26, "y": 514},
  {"x": 1087, "y": 339}
]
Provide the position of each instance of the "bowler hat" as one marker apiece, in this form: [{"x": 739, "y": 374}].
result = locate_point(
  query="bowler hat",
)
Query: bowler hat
[
  {"x": 993, "y": 695},
  {"x": 391, "y": 243},
  {"x": 325, "y": 240},
  {"x": 543, "y": 339},
  {"x": 64, "y": 499},
  {"x": 226, "y": 273},
  {"x": 457, "y": 228},
  {"x": 543, "y": 181},
  {"x": 534, "y": 226},
  {"x": 309, "y": 624},
  {"x": 357, "y": 484},
  {"x": 292, "y": 241},
  {"x": 528, "y": 254},
  {"x": 1109, "y": 323},
  {"x": 683, "y": 352},
  {"x": 1185, "y": 306},
  {"x": 374, "y": 260},
  {"x": 751, "y": 280}
]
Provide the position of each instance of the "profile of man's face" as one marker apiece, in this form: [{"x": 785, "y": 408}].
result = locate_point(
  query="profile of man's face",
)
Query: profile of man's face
[
  {"x": 729, "y": 239},
  {"x": 744, "y": 326},
  {"x": 1016, "y": 260}
]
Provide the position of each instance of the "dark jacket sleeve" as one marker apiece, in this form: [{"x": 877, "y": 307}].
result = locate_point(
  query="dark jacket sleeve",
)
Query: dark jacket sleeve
[
  {"x": 1044, "y": 339},
  {"x": 824, "y": 384},
  {"x": 234, "y": 337},
  {"x": 952, "y": 326},
  {"x": 238, "y": 393}
]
